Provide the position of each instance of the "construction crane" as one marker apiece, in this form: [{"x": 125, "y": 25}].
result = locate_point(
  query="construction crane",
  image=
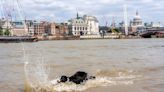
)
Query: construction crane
[
  {"x": 21, "y": 15},
  {"x": 113, "y": 26},
  {"x": 11, "y": 10}
]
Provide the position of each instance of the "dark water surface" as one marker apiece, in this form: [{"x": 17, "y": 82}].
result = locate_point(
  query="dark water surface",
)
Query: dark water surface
[{"x": 134, "y": 65}]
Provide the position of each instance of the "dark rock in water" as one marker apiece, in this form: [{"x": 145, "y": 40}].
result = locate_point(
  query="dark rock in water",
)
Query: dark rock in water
[
  {"x": 92, "y": 77},
  {"x": 63, "y": 79},
  {"x": 78, "y": 78}
]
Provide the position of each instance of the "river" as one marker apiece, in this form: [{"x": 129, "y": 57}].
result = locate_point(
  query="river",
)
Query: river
[{"x": 130, "y": 65}]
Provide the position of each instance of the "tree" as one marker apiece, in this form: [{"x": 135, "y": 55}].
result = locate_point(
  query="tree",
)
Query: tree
[
  {"x": 117, "y": 30},
  {"x": 7, "y": 32},
  {"x": 1, "y": 31}
]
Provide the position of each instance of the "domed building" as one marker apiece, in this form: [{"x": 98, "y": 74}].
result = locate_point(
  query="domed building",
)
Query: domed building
[
  {"x": 136, "y": 24},
  {"x": 137, "y": 21}
]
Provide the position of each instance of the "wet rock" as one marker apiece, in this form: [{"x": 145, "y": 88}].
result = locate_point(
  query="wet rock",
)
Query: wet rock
[{"x": 78, "y": 78}]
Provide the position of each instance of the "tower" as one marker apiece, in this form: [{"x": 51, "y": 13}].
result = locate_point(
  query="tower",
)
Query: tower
[
  {"x": 77, "y": 16},
  {"x": 125, "y": 20},
  {"x": 137, "y": 13},
  {"x": 137, "y": 21}
]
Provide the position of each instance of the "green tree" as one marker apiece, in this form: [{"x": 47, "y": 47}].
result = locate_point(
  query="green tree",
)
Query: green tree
[
  {"x": 117, "y": 30},
  {"x": 1, "y": 31},
  {"x": 7, "y": 32}
]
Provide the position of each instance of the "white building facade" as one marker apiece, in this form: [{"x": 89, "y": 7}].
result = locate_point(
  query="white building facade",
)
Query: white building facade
[
  {"x": 79, "y": 27},
  {"x": 86, "y": 25},
  {"x": 93, "y": 25}
]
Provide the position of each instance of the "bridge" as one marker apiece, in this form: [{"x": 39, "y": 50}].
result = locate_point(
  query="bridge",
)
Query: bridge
[{"x": 156, "y": 32}]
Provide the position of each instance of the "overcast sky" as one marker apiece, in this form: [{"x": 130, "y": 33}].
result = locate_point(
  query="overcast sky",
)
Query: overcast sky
[{"x": 104, "y": 10}]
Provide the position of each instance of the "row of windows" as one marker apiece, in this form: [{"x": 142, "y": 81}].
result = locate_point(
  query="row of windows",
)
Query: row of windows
[
  {"x": 80, "y": 33},
  {"x": 79, "y": 22},
  {"x": 80, "y": 28},
  {"x": 137, "y": 23}
]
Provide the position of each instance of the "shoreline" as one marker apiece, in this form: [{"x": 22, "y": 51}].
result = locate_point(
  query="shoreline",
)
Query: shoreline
[{"x": 64, "y": 38}]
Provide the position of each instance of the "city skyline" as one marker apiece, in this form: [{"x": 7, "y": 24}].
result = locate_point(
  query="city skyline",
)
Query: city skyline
[{"x": 104, "y": 10}]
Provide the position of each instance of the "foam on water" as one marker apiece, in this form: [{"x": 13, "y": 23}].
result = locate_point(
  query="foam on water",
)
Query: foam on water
[
  {"x": 98, "y": 82},
  {"x": 53, "y": 85}
]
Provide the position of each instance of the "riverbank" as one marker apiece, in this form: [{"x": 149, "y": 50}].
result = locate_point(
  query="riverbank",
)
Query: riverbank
[
  {"x": 87, "y": 37},
  {"x": 42, "y": 38},
  {"x": 8, "y": 39}
]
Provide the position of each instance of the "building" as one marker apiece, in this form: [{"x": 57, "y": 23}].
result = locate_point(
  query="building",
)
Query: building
[
  {"x": 54, "y": 29},
  {"x": 61, "y": 30},
  {"x": 51, "y": 29},
  {"x": 137, "y": 21},
  {"x": 152, "y": 25},
  {"x": 86, "y": 25},
  {"x": 104, "y": 30},
  {"x": 40, "y": 28},
  {"x": 34, "y": 28},
  {"x": 136, "y": 25},
  {"x": 18, "y": 29},
  {"x": 30, "y": 27},
  {"x": 78, "y": 26},
  {"x": 93, "y": 25},
  {"x": 6, "y": 25},
  {"x": 15, "y": 28}
]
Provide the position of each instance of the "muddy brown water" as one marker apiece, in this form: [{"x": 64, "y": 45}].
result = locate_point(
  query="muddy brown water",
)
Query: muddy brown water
[{"x": 133, "y": 65}]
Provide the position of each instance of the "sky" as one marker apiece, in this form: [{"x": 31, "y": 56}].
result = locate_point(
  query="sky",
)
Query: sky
[{"x": 104, "y": 10}]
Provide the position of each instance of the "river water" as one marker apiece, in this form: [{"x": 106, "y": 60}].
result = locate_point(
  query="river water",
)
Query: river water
[{"x": 130, "y": 65}]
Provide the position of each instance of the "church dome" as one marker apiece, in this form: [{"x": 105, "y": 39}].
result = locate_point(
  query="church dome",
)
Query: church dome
[
  {"x": 137, "y": 16},
  {"x": 137, "y": 21}
]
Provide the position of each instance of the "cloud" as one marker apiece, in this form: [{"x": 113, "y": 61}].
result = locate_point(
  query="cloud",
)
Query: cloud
[{"x": 104, "y": 10}]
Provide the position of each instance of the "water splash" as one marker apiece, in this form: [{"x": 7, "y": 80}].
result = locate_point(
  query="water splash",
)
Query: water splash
[
  {"x": 36, "y": 73},
  {"x": 104, "y": 78},
  {"x": 98, "y": 82},
  {"x": 122, "y": 78}
]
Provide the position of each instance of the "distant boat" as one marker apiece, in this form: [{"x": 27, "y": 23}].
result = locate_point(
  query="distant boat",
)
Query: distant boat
[{"x": 6, "y": 39}]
